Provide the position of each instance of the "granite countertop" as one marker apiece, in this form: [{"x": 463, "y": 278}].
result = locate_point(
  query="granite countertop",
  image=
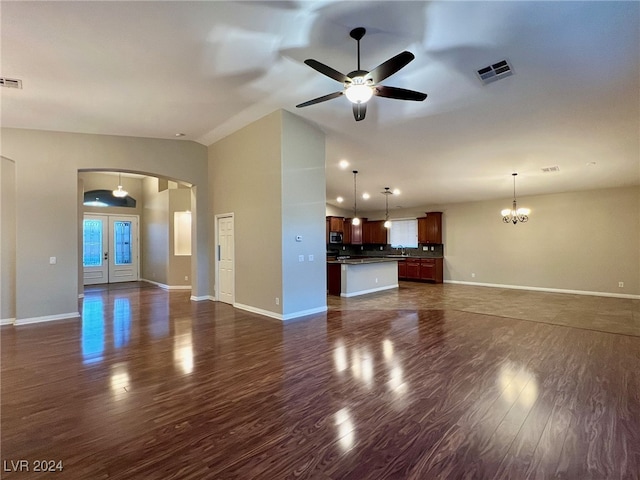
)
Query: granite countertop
[{"x": 359, "y": 261}]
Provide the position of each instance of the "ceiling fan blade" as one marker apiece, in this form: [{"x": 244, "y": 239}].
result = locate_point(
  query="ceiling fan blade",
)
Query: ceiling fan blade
[
  {"x": 398, "y": 93},
  {"x": 391, "y": 66},
  {"x": 323, "y": 98},
  {"x": 326, "y": 70},
  {"x": 359, "y": 111}
]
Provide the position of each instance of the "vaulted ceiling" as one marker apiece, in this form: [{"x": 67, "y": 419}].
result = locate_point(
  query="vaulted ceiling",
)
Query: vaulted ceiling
[{"x": 206, "y": 69}]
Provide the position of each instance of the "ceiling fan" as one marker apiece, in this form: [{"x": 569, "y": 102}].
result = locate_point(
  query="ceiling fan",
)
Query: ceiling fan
[{"x": 361, "y": 85}]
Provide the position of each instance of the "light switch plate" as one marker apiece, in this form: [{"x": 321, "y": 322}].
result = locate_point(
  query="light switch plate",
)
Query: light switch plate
[{"x": 301, "y": 258}]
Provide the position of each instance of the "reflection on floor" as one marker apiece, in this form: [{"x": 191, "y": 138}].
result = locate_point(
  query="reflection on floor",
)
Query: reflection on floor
[
  {"x": 604, "y": 314},
  {"x": 430, "y": 381}
]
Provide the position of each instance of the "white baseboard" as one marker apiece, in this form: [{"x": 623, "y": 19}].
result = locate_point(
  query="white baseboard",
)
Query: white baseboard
[
  {"x": 46, "y": 318},
  {"x": 280, "y": 316},
  {"x": 7, "y": 321},
  {"x": 167, "y": 287},
  {"x": 202, "y": 298},
  {"x": 371, "y": 290},
  {"x": 549, "y": 290}
]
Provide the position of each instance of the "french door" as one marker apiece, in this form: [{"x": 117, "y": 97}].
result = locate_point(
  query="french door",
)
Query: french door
[{"x": 109, "y": 248}]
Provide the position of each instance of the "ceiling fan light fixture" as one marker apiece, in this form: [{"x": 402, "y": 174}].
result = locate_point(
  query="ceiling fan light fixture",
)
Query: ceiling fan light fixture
[{"x": 359, "y": 92}]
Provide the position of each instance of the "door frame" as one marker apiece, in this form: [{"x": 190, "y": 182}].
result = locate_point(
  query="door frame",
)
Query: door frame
[{"x": 216, "y": 255}]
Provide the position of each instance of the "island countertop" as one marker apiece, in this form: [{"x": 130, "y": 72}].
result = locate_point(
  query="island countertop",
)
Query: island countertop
[{"x": 358, "y": 261}]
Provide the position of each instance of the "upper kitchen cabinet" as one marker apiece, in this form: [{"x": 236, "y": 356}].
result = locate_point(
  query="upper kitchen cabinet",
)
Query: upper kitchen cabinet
[
  {"x": 373, "y": 232},
  {"x": 430, "y": 228},
  {"x": 352, "y": 233},
  {"x": 336, "y": 224}
]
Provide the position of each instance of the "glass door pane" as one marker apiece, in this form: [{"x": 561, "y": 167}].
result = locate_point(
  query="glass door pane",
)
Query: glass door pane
[
  {"x": 92, "y": 243},
  {"x": 122, "y": 242}
]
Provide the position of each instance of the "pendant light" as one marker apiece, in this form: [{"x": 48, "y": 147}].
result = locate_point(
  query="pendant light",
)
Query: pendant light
[
  {"x": 386, "y": 193},
  {"x": 515, "y": 214},
  {"x": 356, "y": 220},
  {"x": 120, "y": 192}
]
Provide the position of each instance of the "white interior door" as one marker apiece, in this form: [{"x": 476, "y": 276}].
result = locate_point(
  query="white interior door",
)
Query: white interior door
[
  {"x": 123, "y": 251},
  {"x": 225, "y": 254},
  {"x": 109, "y": 248},
  {"x": 95, "y": 249}
]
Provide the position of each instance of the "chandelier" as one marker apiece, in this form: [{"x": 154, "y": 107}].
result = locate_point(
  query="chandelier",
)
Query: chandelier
[
  {"x": 515, "y": 214},
  {"x": 120, "y": 192}
]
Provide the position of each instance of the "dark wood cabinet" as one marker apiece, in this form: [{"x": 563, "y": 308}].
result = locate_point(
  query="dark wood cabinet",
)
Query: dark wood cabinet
[
  {"x": 430, "y": 228},
  {"x": 429, "y": 269},
  {"x": 336, "y": 224},
  {"x": 334, "y": 278},
  {"x": 373, "y": 232},
  {"x": 413, "y": 268},
  {"x": 352, "y": 233},
  {"x": 402, "y": 269}
]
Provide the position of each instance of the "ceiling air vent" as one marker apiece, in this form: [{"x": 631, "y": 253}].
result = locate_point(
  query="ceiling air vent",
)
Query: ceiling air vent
[
  {"x": 495, "y": 72},
  {"x": 555, "y": 168},
  {"x": 10, "y": 82}
]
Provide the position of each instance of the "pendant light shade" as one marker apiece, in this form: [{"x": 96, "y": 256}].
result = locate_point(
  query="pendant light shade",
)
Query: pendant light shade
[
  {"x": 386, "y": 193},
  {"x": 120, "y": 192}
]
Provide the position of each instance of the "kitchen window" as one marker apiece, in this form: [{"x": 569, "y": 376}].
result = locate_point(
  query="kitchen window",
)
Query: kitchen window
[{"x": 404, "y": 233}]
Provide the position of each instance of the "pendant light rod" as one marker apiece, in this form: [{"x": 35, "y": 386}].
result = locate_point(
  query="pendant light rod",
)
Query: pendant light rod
[
  {"x": 516, "y": 214},
  {"x": 356, "y": 220},
  {"x": 386, "y": 193}
]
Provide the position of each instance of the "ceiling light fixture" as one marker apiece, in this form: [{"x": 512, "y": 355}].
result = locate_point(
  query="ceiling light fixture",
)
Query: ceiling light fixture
[
  {"x": 343, "y": 164},
  {"x": 358, "y": 90},
  {"x": 366, "y": 196},
  {"x": 515, "y": 214},
  {"x": 120, "y": 192},
  {"x": 386, "y": 193},
  {"x": 355, "y": 220},
  {"x": 340, "y": 199}
]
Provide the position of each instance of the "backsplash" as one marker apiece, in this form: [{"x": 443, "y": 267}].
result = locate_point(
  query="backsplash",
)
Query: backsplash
[{"x": 374, "y": 250}]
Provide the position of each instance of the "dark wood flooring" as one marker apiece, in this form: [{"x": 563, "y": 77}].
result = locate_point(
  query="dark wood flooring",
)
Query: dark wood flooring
[{"x": 149, "y": 385}]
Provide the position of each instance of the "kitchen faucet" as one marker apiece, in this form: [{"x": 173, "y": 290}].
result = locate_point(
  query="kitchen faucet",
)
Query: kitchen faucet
[{"x": 400, "y": 246}]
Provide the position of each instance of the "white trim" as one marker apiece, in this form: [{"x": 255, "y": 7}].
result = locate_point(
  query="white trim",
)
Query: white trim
[
  {"x": 371, "y": 290},
  {"x": 7, "y": 321},
  {"x": 167, "y": 287},
  {"x": 47, "y": 318},
  {"x": 204, "y": 297},
  {"x": 279, "y": 316},
  {"x": 549, "y": 290}
]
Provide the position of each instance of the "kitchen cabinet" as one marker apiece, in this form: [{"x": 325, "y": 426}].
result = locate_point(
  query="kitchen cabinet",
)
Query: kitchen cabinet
[
  {"x": 352, "y": 233},
  {"x": 336, "y": 224},
  {"x": 427, "y": 269},
  {"x": 413, "y": 268},
  {"x": 373, "y": 232},
  {"x": 333, "y": 278},
  {"x": 402, "y": 269},
  {"x": 430, "y": 228}
]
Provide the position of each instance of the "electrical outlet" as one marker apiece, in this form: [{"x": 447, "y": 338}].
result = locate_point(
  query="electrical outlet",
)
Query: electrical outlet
[
  {"x": 186, "y": 278},
  {"x": 473, "y": 275},
  {"x": 277, "y": 301},
  {"x": 621, "y": 284},
  {"x": 53, "y": 260},
  {"x": 311, "y": 258},
  {"x": 425, "y": 248},
  {"x": 381, "y": 248},
  {"x": 376, "y": 280},
  {"x": 301, "y": 258}
]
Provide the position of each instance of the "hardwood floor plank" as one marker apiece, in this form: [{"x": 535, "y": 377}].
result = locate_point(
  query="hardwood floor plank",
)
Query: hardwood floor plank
[{"x": 430, "y": 381}]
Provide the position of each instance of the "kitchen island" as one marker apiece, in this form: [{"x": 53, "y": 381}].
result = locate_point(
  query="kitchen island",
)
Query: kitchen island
[{"x": 359, "y": 276}]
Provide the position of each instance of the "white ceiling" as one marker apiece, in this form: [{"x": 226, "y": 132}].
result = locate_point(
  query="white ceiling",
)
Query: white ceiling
[{"x": 152, "y": 69}]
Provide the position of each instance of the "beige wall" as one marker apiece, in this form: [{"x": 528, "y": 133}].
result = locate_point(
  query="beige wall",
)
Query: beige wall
[
  {"x": 584, "y": 241},
  {"x": 47, "y": 165},
  {"x": 179, "y": 265},
  {"x": 303, "y": 214},
  {"x": 7, "y": 239},
  {"x": 254, "y": 174},
  {"x": 154, "y": 234}
]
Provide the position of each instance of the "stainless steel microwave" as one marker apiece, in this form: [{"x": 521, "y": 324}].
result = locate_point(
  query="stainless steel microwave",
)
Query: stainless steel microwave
[{"x": 335, "y": 237}]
